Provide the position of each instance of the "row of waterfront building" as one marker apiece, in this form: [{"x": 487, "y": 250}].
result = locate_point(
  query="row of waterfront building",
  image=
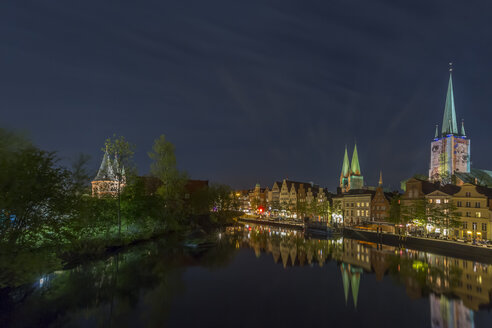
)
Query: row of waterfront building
[{"x": 460, "y": 191}]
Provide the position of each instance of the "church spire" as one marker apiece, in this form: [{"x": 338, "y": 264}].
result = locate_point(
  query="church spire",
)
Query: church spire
[
  {"x": 463, "y": 128},
  {"x": 355, "y": 162},
  {"x": 449, "y": 125},
  {"x": 436, "y": 135},
  {"x": 380, "y": 178},
  {"x": 345, "y": 165}
]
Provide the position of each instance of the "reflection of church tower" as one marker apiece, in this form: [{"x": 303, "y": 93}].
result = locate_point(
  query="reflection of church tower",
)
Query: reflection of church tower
[
  {"x": 351, "y": 177},
  {"x": 450, "y": 151},
  {"x": 351, "y": 277}
]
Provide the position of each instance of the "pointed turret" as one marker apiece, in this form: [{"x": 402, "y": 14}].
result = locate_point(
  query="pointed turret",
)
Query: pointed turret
[
  {"x": 105, "y": 172},
  {"x": 345, "y": 165},
  {"x": 463, "y": 128},
  {"x": 436, "y": 135},
  {"x": 449, "y": 125},
  {"x": 355, "y": 162},
  {"x": 380, "y": 178}
]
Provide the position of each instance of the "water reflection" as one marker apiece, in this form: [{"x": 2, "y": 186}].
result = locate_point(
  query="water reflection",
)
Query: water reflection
[
  {"x": 141, "y": 287},
  {"x": 465, "y": 286}
]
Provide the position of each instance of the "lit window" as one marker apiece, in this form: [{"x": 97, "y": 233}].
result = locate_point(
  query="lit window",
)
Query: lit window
[
  {"x": 358, "y": 204},
  {"x": 438, "y": 201},
  {"x": 358, "y": 212},
  {"x": 430, "y": 201},
  {"x": 478, "y": 214},
  {"x": 446, "y": 201}
]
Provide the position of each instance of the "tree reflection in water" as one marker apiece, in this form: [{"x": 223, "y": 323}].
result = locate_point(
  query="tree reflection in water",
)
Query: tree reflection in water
[
  {"x": 105, "y": 293},
  {"x": 137, "y": 287}
]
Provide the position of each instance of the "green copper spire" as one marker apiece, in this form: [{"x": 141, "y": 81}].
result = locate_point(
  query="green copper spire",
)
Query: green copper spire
[
  {"x": 346, "y": 165},
  {"x": 436, "y": 135},
  {"x": 449, "y": 125},
  {"x": 463, "y": 128},
  {"x": 355, "y": 162}
]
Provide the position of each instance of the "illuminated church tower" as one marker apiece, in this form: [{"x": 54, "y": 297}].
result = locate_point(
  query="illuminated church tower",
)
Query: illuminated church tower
[
  {"x": 350, "y": 177},
  {"x": 450, "y": 151}
]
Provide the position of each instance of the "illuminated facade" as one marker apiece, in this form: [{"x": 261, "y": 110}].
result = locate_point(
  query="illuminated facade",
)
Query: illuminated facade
[
  {"x": 110, "y": 179},
  {"x": 450, "y": 150},
  {"x": 351, "y": 177}
]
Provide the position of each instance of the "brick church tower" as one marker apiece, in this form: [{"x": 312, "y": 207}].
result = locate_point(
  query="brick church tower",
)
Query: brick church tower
[{"x": 450, "y": 150}]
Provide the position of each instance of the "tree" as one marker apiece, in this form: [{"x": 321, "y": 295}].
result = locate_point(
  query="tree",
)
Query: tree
[
  {"x": 35, "y": 197},
  {"x": 80, "y": 175},
  {"x": 173, "y": 181},
  {"x": 123, "y": 152},
  {"x": 415, "y": 211},
  {"x": 395, "y": 210}
]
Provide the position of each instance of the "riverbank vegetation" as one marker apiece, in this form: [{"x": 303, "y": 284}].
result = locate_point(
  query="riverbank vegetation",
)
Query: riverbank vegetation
[{"x": 48, "y": 216}]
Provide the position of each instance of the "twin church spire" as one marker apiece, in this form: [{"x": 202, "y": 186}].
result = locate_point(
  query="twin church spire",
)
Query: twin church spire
[{"x": 350, "y": 177}]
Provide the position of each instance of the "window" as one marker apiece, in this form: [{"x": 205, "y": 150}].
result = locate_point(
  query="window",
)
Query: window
[
  {"x": 468, "y": 194},
  {"x": 352, "y": 205},
  {"x": 468, "y": 204},
  {"x": 367, "y": 204},
  {"x": 465, "y": 225},
  {"x": 358, "y": 204},
  {"x": 430, "y": 201},
  {"x": 478, "y": 214},
  {"x": 474, "y": 226},
  {"x": 352, "y": 212},
  {"x": 446, "y": 201},
  {"x": 358, "y": 212},
  {"x": 438, "y": 201},
  {"x": 468, "y": 214},
  {"x": 367, "y": 212},
  {"x": 477, "y": 204},
  {"x": 484, "y": 226},
  {"x": 459, "y": 204}
]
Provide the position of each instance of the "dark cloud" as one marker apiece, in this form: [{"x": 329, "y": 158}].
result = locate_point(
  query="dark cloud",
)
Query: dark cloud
[{"x": 250, "y": 91}]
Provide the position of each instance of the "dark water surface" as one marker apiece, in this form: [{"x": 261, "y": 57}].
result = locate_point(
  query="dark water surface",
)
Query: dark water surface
[{"x": 258, "y": 277}]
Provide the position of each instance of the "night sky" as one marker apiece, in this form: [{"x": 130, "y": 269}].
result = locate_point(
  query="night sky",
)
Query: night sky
[{"x": 249, "y": 91}]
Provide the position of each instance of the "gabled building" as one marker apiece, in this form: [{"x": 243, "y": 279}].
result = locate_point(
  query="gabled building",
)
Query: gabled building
[
  {"x": 473, "y": 204},
  {"x": 381, "y": 202}
]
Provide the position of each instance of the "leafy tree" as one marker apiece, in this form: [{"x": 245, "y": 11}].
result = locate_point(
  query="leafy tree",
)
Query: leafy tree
[
  {"x": 395, "y": 210},
  {"x": 173, "y": 181},
  {"x": 80, "y": 176},
  {"x": 35, "y": 196},
  {"x": 123, "y": 152},
  {"x": 415, "y": 211}
]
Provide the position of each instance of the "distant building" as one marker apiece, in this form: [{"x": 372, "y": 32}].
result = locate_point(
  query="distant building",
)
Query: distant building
[
  {"x": 354, "y": 205},
  {"x": 381, "y": 203},
  {"x": 109, "y": 178},
  {"x": 450, "y": 150},
  {"x": 351, "y": 177}
]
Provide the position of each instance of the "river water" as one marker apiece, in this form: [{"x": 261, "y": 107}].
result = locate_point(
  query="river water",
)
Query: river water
[{"x": 258, "y": 276}]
